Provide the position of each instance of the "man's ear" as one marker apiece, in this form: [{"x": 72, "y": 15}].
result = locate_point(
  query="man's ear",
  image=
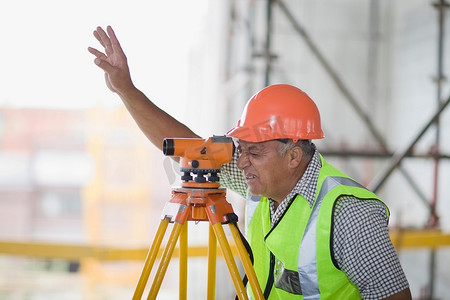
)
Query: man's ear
[{"x": 295, "y": 156}]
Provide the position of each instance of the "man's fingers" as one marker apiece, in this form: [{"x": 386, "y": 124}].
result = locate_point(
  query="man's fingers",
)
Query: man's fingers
[
  {"x": 114, "y": 41},
  {"x": 99, "y": 39},
  {"x": 104, "y": 39},
  {"x": 104, "y": 65},
  {"x": 97, "y": 53}
]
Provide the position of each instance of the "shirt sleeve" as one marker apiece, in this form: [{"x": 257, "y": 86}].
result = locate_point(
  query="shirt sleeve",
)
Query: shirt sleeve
[
  {"x": 231, "y": 177},
  {"x": 363, "y": 249}
]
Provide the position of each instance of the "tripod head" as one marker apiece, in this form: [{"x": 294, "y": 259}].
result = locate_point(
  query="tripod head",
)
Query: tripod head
[{"x": 200, "y": 158}]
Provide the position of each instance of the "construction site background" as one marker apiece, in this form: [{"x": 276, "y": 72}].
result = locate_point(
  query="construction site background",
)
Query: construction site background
[{"x": 82, "y": 190}]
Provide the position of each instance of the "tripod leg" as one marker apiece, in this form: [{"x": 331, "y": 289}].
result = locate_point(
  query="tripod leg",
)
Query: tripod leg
[
  {"x": 149, "y": 261},
  {"x": 247, "y": 264},
  {"x": 226, "y": 250},
  {"x": 165, "y": 259},
  {"x": 212, "y": 256},
  {"x": 183, "y": 262}
]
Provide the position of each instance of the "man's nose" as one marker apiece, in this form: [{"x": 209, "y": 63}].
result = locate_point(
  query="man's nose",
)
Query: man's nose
[{"x": 242, "y": 161}]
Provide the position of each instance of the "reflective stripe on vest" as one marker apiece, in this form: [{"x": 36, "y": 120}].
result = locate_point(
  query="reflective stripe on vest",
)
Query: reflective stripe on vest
[
  {"x": 251, "y": 202},
  {"x": 307, "y": 263}
]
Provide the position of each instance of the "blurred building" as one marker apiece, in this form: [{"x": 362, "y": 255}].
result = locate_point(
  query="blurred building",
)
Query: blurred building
[
  {"x": 76, "y": 177},
  {"x": 43, "y": 170}
]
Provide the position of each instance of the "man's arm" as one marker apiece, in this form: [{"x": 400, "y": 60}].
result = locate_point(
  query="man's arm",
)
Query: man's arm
[
  {"x": 363, "y": 249},
  {"x": 403, "y": 295},
  {"x": 155, "y": 123}
]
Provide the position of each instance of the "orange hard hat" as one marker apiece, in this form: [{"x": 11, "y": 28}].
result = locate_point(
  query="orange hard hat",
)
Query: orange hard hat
[{"x": 278, "y": 111}]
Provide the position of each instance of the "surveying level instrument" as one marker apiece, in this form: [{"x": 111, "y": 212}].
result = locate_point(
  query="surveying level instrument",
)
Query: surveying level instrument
[{"x": 199, "y": 198}]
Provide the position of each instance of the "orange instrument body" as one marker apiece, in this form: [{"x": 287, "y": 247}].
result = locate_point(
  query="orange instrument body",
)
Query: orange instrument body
[{"x": 200, "y": 157}]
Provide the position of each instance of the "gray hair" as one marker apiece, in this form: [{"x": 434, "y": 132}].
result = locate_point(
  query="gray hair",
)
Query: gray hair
[{"x": 307, "y": 146}]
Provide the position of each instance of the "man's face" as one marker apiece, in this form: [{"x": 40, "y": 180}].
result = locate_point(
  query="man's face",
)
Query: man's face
[{"x": 265, "y": 171}]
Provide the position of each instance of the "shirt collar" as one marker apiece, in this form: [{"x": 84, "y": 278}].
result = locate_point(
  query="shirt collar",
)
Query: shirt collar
[{"x": 307, "y": 184}]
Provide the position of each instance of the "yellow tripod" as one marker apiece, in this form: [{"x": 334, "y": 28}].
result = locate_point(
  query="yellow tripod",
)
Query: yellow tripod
[
  {"x": 200, "y": 199},
  {"x": 196, "y": 204}
]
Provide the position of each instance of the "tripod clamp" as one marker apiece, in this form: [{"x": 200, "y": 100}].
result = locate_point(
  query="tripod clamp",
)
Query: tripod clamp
[{"x": 200, "y": 175}]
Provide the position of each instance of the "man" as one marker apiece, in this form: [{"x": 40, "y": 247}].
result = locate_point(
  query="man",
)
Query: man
[{"x": 315, "y": 232}]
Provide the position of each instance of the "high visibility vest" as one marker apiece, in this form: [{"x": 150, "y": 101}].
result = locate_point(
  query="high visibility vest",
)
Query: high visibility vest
[{"x": 296, "y": 254}]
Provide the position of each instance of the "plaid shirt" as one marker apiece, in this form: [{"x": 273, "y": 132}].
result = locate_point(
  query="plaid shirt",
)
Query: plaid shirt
[{"x": 361, "y": 244}]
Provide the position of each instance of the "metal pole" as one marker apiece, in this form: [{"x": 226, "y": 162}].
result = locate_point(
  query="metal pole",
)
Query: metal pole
[
  {"x": 373, "y": 57},
  {"x": 267, "y": 53},
  {"x": 434, "y": 218},
  {"x": 441, "y": 6}
]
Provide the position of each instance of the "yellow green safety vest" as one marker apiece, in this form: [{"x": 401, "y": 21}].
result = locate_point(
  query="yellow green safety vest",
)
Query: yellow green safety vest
[{"x": 296, "y": 254}]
